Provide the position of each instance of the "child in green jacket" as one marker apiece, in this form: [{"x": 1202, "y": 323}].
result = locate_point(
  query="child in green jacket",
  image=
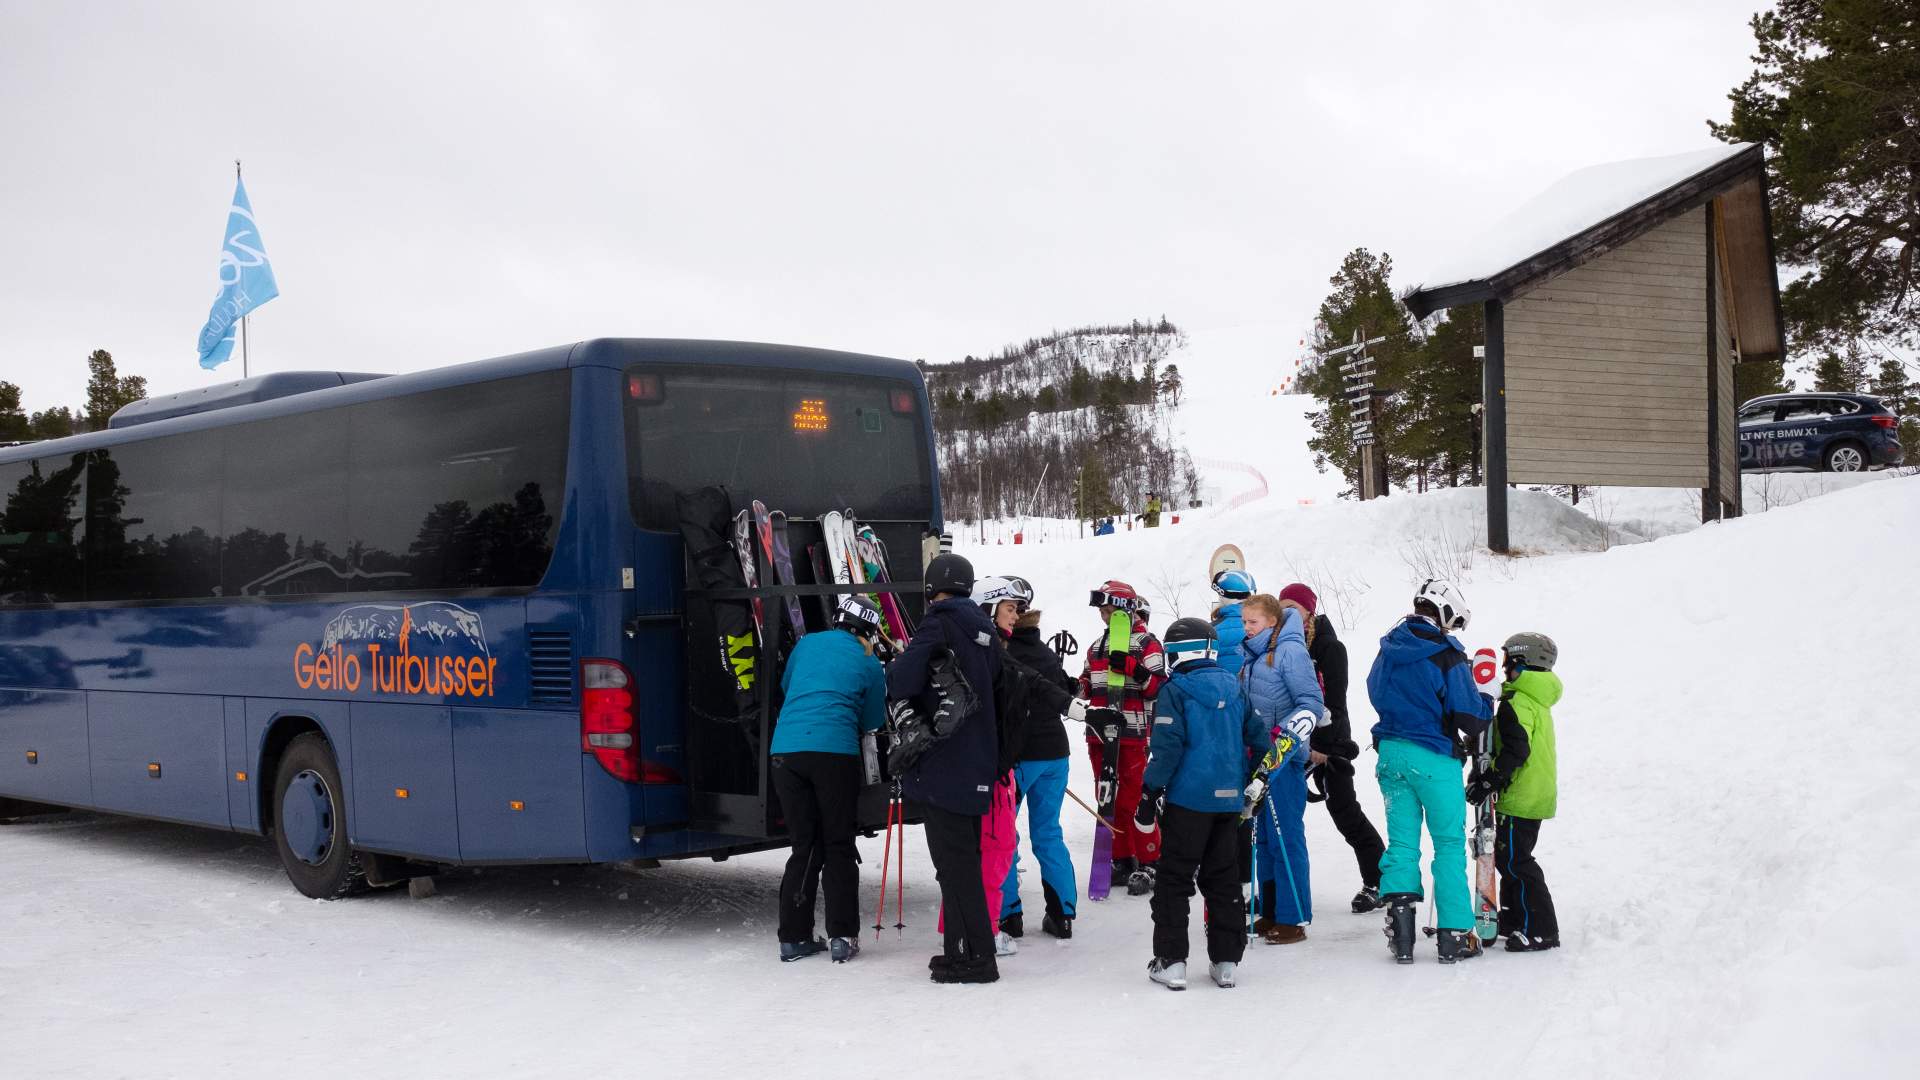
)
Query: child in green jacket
[{"x": 1522, "y": 779}]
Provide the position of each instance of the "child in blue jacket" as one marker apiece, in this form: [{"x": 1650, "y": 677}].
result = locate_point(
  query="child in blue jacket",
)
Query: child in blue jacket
[
  {"x": 1278, "y": 679},
  {"x": 1422, "y": 687},
  {"x": 835, "y": 690},
  {"x": 1202, "y": 733}
]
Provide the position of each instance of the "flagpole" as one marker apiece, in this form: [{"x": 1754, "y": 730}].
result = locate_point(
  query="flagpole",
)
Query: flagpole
[{"x": 244, "y": 369}]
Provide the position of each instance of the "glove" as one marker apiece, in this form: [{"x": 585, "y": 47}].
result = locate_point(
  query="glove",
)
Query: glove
[
  {"x": 1149, "y": 812},
  {"x": 1077, "y": 711},
  {"x": 1483, "y": 785},
  {"x": 1300, "y": 725},
  {"x": 1256, "y": 791},
  {"x": 1124, "y": 663},
  {"x": 1486, "y": 670}
]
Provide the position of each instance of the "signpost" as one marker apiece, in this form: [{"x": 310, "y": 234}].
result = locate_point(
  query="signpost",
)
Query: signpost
[{"x": 1363, "y": 403}]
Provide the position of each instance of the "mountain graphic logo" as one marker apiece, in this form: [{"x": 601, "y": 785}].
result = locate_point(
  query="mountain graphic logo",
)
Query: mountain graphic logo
[{"x": 432, "y": 648}]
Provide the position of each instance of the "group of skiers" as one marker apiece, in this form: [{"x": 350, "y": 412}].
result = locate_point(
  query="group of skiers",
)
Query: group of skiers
[{"x": 1222, "y": 731}]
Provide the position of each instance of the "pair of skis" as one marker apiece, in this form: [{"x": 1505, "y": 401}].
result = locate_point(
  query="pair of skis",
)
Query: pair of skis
[
  {"x": 854, "y": 555},
  {"x": 771, "y": 529}
]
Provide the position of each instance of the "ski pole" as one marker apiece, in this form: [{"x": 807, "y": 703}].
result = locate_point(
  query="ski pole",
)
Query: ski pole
[
  {"x": 886, "y": 852},
  {"x": 900, "y": 878},
  {"x": 1091, "y": 810}
]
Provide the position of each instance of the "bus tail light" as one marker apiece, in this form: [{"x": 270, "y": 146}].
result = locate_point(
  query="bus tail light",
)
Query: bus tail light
[
  {"x": 1886, "y": 421},
  {"x": 606, "y": 718},
  {"x": 902, "y": 401}
]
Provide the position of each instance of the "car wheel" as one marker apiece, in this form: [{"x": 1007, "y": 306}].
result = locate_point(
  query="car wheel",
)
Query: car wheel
[
  {"x": 1846, "y": 457},
  {"x": 310, "y": 822}
]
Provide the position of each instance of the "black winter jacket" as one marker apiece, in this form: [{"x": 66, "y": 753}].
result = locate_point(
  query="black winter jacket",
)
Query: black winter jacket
[
  {"x": 1049, "y": 690},
  {"x": 1335, "y": 737},
  {"x": 957, "y": 773}
]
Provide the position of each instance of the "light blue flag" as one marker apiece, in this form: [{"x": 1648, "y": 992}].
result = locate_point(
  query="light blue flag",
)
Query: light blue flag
[{"x": 246, "y": 281}]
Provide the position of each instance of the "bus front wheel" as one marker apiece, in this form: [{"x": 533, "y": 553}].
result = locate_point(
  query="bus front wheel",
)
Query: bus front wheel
[{"x": 310, "y": 822}]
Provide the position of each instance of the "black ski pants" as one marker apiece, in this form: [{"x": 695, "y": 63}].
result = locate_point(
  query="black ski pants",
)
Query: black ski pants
[
  {"x": 1526, "y": 907},
  {"x": 1193, "y": 844},
  {"x": 819, "y": 793},
  {"x": 953, "y": 841},
  {"x": 1348, "y": 816}
]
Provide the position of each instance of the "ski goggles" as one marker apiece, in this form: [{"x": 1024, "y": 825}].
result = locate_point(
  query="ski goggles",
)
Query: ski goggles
[{"x": 1103, "y": 598}]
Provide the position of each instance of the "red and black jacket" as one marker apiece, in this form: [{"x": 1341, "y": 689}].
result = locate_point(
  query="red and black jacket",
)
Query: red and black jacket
[{"x": 1145, "y": 666}]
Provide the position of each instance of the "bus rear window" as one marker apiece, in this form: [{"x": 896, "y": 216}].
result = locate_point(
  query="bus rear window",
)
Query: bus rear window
[{"x": 803, "y": 442}]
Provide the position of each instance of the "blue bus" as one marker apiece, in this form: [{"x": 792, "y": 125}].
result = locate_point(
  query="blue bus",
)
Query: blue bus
[{"x": 408, "y": 621}]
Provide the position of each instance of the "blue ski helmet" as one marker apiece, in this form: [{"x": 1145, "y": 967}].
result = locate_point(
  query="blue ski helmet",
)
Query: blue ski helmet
[{"x": 1234, "y": 584}]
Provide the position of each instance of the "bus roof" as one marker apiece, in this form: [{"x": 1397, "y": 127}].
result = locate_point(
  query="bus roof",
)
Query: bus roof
[{"x": 265, "y": 397}]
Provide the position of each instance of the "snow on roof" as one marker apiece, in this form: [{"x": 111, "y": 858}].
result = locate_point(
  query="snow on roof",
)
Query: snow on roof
[{"x": 1572, "y": 205}]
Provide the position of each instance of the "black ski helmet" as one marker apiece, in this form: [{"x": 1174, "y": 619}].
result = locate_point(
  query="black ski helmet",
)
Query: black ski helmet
[
  {"x": 1190, "y": 639},
  {"x": 949, "y": 573},
  {"x": 857, "y": 613}
]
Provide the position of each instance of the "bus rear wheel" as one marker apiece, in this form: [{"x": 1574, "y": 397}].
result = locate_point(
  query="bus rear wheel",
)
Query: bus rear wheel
[{"x": 310, "y": 822}]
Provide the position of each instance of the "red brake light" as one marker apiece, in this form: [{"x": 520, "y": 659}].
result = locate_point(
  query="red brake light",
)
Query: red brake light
[
  {"x": 644, "y": 389},
  {"x": 606, "y": 718},
  {"x": 1886, "y": 421},
  {"x": 902, "y": 401}
]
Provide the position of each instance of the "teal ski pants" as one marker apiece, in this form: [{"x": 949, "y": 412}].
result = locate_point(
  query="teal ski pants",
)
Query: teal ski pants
[{"x": 1415, "y": 782}]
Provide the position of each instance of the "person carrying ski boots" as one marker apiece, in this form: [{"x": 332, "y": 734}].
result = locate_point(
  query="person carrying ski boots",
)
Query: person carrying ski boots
[
  {"x": 951, "y": 783},
  {"x": 1276, "y": 674},
  {"x": 1203, "y": 732},
  {"x": 1144, "y": 666},
  {"x": 1041, "y": 773},
  {"x": 1332, "y": 751},
  {"x": 1522, "y": 785},
  {"x": 1422, "y": 688},
  {"x": 834, "y": 690}
]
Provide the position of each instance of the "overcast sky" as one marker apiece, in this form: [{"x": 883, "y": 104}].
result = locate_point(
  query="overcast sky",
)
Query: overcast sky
[{"x": 446, "y": 182}]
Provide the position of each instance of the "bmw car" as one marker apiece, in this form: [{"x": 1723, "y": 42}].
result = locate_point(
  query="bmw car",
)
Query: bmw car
[{"x": 1830, "y": 432}]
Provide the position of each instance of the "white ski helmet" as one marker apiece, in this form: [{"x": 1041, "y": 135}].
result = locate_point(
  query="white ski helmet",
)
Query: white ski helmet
[
  {"x": 988, "y": 592},
  {"x": 1447, "y": 601}
]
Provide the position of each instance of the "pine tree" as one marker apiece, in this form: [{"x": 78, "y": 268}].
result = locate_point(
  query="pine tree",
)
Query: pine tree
[
  {"x": 1832, "y": 97},
  {"x": 13, "y": 419},
  {"x": 107, "y": 391},
  {"x": 1361, "y": 300},
  {"x": 1894, "y": 389}
]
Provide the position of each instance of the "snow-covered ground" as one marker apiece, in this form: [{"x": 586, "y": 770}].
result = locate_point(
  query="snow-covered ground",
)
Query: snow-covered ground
[{"x": 1739, "y": 832}]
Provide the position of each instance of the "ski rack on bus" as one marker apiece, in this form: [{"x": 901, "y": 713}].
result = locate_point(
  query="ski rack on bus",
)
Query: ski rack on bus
[{"x": 752, "y": 815}]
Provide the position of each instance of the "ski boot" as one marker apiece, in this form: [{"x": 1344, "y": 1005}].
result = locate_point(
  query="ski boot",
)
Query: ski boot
[
  {"x": 1004, "y": 945},
  {"x": 1367, "y": 899},
  {"x": 1400, "y": 924},
  {"x": 1457, "y": 945},
  {"x": 1222, "y": 974},
  {"x": 1123, "y": 871},
  {"x": 800, "y": 950},
  {"x": 1140, "y": 882},
  {"x": 1284, "y": 934},
  {"x": 843, "y": 949},
  {"x": 1518, "y": 942},
  {"x": 1013, "y": 925},
  {"x": 972, "y": 969},
  {"x": 1171, "y": 974},
  {"x": 1060, "y": 926}
]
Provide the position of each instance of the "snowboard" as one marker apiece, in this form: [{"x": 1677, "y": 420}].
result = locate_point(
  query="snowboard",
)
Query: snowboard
[
  {"x": 1486, "y": 899},
  {"x": 1225, "y": 557},
  {"x": 1106, "y": 789},
  {"x": 749, "y": 570}
]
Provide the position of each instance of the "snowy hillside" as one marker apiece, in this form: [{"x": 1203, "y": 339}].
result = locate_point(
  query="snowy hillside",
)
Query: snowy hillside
[{"x": 1736, "y": 842}]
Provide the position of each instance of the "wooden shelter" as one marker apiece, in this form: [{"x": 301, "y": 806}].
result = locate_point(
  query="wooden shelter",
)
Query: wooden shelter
[{"x": 1617, "y": 302}]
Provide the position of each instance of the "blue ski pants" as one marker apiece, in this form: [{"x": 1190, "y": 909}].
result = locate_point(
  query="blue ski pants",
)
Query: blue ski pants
[
  {"x": 1416, "y": 782},
  {"x": 1280, "y": 843},
  {"x": 1042, "y": 785}
]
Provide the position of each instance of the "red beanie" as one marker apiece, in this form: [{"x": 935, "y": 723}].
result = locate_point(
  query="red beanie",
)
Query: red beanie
[{"x": 1301, "y": 595}]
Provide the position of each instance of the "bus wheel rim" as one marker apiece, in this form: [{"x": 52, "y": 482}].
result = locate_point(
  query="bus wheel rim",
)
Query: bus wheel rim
[{"x": 306, "y": 818}]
